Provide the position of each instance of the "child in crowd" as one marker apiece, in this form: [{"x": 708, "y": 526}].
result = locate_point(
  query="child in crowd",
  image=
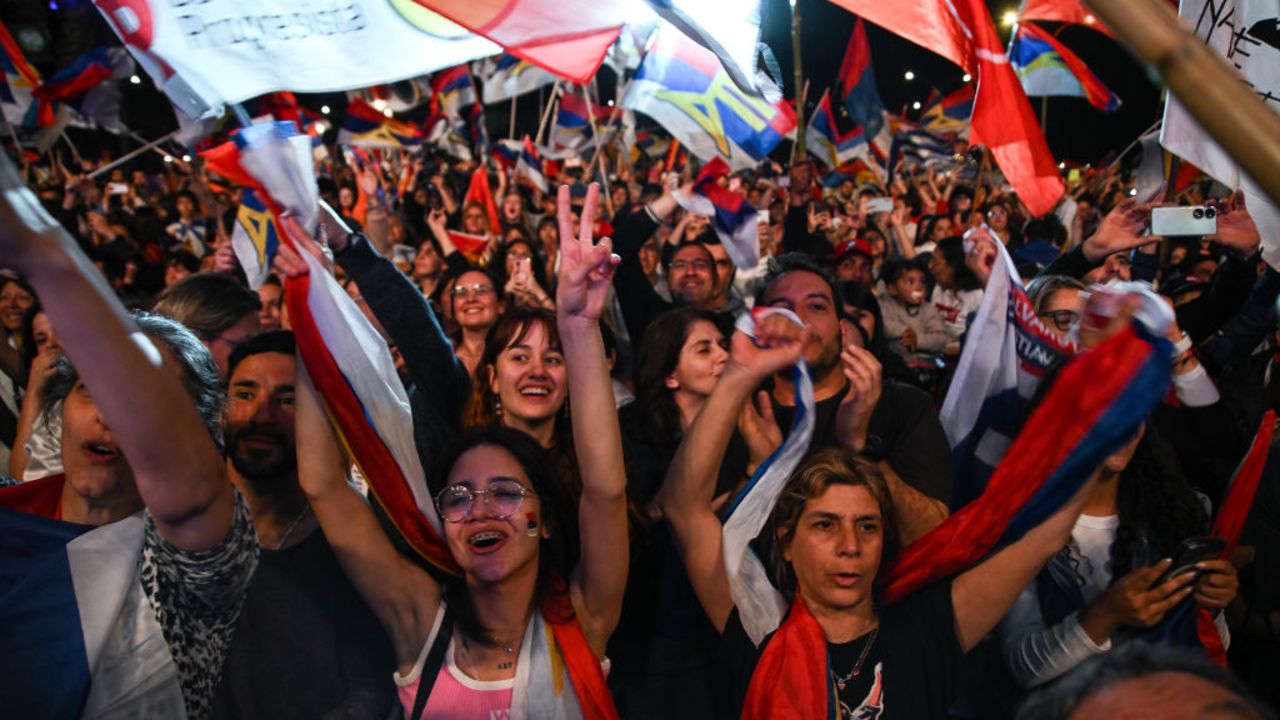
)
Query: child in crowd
[{"x": 915, "y": 328}]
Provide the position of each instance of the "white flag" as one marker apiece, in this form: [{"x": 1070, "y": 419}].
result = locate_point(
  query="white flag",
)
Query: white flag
[
  {"x": 1243, "y": 32},
  {"x": 204, "y": 55}
]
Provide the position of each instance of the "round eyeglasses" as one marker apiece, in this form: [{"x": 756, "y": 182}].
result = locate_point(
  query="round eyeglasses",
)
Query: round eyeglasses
[{"x": 502, "y": 499}]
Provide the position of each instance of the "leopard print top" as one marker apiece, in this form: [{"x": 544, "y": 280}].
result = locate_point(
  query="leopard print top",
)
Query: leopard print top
[{"x": 197, "y": 598}]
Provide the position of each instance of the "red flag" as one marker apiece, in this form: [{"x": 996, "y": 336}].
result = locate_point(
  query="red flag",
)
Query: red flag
[
  {"x": 1067, "y": 11},
  {"x": 1230, "y": 522},
  {"x": 568, "y": 38},
  {"x": 962, "y": 31},
  {"x": 790, "y": 679},
  {"x": 479, "y": 192}
]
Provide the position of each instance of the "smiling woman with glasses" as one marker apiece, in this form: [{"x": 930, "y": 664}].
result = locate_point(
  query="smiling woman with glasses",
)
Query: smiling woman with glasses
[{"x": 521, "y": 628}]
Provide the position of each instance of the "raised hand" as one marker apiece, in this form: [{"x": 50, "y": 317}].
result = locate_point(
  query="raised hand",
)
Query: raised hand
[
  {"x": 853, "y": 417},
  {"x": 1120, "y": 230},
  {"x": 288, "y": 261},
  {"x": 1236, "y": 228},
  {"x": 333, "y": 230},
  {"x": 586, "y": 269},
  {"x": 778, "y": 344}
]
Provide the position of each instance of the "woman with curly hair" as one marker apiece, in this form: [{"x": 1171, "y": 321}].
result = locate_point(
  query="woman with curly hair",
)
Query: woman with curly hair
[{"x": 1100, "y": 590}]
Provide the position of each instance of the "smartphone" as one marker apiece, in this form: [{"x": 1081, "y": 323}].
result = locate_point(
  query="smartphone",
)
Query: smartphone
[
  {"x": 1192, "y": 550},
  {"x": 784, "y": 181},
  {"x": 879, "y": 205},
  {"x": 117, "y": 188},
  {"x": 1196, "y": 220},
  {"x": 762, "y": 217}
]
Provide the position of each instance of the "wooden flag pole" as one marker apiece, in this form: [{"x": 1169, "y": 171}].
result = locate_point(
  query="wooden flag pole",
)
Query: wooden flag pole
[
  {"x": 1212, "y": 92},
  {"x": 511, "y": 126},
  {"x": 596, "y": 159},
  {"x": 546, "y": 112}
]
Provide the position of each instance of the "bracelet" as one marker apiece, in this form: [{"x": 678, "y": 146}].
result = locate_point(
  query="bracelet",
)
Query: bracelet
[{"x": 1181, "y": 346}]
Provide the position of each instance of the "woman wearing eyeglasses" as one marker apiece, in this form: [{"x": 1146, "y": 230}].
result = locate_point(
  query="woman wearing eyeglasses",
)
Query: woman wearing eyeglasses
[
  {"x": 1058, "y": 301},
  {"x": 521, "y": 631},
  {"x": 476, "y": 306}
]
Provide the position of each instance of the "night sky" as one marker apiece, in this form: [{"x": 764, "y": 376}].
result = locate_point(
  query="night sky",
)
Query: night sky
[{"x": 1076, "y": 131}]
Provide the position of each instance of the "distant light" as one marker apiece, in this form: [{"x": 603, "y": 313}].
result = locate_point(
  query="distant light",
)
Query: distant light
[
  {"x": 324, "y": 109},
  {"x": 168, "y": 158},
  {"x": 387, "y": 112},
  {"x": 1062, "y": 166},
  {"x": 793, "y": 4},
  {"x": 1133, "y": 192},
  {"x": 135, "y": 79},
  {"x": 1009, "y": 18},
  {"x": 909, "y": 75},
  {"x": 186, "y": 158},
  {"x": 610, "y": 103},
  {"x": 379, "y": 104},
  {"x": 967, "y": 77},
  {"x": 321, "y": 127},
  {"x": 915, "y": 105},
  {"x": 1089, "y": 19},
  {"x": 53, "y": 5}
]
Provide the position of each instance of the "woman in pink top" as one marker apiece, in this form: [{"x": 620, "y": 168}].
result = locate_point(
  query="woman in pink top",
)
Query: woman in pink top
[{"x": 523, "y": 622}]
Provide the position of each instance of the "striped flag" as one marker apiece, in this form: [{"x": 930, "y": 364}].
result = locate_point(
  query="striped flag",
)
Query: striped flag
[
  {"x": 918, "y": 147},
  {"x": 732, "y": 217},
  {"x": 529, "y": 165},
  {"x": 345, "y": 356},
  {"x": 1047, "y": 67},
  {"x": 506, "y": 153},
  {"x": 825, "y": 140},
  {"x": 760, "y": 605},
  {"x": 682, "y": 86},
  {"x": 510, "y": 76},
  {"x": 949, "y": 114},
  {"x": 1005, "y": 356},
  {"x": 364, "y": 126},
  {"x": 17, "y": 92},
  {"x": 60, "y": 655},
  {"x": 857, "y": 82}
]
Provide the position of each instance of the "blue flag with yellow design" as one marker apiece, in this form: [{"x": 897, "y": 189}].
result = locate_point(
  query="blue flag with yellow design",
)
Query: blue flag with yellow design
[
  {"x": 683, "y": 86},
  {"x": 255, "y": 238}
]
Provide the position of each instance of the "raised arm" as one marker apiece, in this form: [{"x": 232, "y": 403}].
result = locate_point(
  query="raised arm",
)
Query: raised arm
[
  {"x": 586, "y": 271},
  {"x": 686, "y": 494},
  {"x": 402, "y": 596},
  {"x": 177, "y": 467}
]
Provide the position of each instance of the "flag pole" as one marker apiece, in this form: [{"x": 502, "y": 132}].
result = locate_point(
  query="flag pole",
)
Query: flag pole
[
  {"x": 130, "y": 155},
  {"x": 1204, "y": 83},
  {"x": 596, "y": 159},
  {"x": 799, "y": 76},
  {"x": 546, "y": 112},
  {"x": 799, "y": 146},
  {"x": 511, "y": 126}
]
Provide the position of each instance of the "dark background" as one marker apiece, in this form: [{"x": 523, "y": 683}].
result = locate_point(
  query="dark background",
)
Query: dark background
[{"x": 1075, "y": 130}]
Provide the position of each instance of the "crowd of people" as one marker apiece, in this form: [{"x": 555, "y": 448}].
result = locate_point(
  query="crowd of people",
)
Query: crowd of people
[{"x": 588, "y": 407}]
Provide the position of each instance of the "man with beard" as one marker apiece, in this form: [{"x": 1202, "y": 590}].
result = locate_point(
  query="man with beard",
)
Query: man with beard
[
  {"x": 690, "y": 269},
  {"x": 306, "y": 646},
  {"x": 888, "y": 421}
]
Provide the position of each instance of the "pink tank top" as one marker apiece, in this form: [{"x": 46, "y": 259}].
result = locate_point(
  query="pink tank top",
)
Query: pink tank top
[{"x": 456, "y": 696}]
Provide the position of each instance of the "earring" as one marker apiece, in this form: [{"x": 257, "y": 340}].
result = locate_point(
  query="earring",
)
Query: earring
[{"x": 497, "y": 408}]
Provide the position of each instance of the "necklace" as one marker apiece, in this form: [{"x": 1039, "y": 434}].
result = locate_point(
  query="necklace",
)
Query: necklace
[
  {"x": 857, "y": 667},
  {"x": 305, "y": 511}
]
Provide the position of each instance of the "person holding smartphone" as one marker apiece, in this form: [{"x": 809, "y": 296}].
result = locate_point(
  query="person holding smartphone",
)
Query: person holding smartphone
[{"x": 1111, "y": 582}]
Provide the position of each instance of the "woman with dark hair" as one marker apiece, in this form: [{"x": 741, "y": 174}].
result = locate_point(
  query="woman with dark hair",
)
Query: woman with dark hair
[
  {"x": 523, "y": 278},
  {"x": 37, "y": 449},
  {"x": 522, "y": 628},
  {"x": 521, "y": 380},
  {"x": 956, "y": 292},
  {"x": 832, "y": 530},
  {"x": 1100, "y": 590},
  {"x": 474, "y": 304}
]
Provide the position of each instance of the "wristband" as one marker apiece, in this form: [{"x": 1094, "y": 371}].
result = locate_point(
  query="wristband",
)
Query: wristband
[{"x": 1182, "y": 345}]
